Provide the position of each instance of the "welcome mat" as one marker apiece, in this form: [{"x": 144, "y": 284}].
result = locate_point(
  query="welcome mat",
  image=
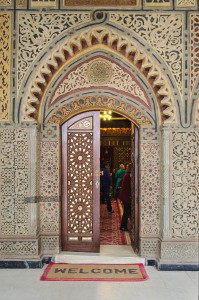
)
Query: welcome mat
[{"x": 94, "y": 272}]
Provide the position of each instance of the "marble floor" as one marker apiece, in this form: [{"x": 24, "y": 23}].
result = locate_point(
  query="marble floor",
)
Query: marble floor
[{"x": 25, "y": 284}]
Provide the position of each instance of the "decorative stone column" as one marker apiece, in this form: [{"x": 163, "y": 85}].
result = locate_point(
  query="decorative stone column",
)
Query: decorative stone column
[{"x": 180, "y": 209}]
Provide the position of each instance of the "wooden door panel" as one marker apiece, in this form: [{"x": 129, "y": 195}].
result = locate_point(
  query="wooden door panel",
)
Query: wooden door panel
[
  {"x": 135, "y": 190},
  {"x": 80, "y": 183}
]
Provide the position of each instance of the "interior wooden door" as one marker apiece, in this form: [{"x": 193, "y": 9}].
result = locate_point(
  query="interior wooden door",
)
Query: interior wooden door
[
  {"x": 135, "y": 189},
  {"x": 81, "y": 183}
]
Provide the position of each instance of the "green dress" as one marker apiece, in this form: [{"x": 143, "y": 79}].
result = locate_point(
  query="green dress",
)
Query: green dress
[{"x": 118, "y": 176}]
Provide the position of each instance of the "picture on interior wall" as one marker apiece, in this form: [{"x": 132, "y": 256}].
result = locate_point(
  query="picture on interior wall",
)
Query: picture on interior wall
[{"x": 101, "y": 2}]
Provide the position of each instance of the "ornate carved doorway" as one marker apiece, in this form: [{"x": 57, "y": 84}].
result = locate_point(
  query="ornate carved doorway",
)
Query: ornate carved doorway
[{"x": 80, "y": 183}]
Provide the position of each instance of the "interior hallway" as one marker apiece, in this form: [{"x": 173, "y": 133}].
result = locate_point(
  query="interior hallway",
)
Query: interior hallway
[{"x": 25, "y": 284}]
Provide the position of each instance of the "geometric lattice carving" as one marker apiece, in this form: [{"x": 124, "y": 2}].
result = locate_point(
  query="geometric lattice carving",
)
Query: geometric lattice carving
[
  {"x": 185, "y": 183},
  {"x": 122, "y": 155},
  {"x": 50, "y": 244},
  {"x": 150, "y": 28},
  {"x": 110, "y": 38},
  {"x": 79, "y": 185},
  {"x": 150, "y": 248},
  {"x": 5, "y": 56},
  {"x": 150, "y": 189},
  {"x": 14, "y": 181}
]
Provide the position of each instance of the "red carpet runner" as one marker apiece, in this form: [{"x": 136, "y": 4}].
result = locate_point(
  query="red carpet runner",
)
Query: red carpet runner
[{"x": 110, "y": 233}]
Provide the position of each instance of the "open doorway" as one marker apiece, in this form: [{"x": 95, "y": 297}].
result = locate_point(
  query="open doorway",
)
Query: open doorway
[
  {"x": 117, "y": 147},
  {"x": 80, "y": 180}
]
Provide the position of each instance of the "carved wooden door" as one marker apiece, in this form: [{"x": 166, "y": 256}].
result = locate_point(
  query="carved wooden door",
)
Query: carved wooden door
[
  {"x": 135, "y": 189},
  {"x": 81, "y": 183}
]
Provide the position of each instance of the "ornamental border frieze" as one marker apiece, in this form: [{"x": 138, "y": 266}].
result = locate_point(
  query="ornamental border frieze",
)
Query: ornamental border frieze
[
  {"x": 96, "y": 37},
  {"x": 71, "y": 108},
  {"x": 5, "y": 66},
  {"x": 181, "y": 251},
  {"x": 194, "y": 49}
]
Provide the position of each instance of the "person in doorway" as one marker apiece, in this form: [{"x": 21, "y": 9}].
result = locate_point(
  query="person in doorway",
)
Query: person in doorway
[
  {"x": 105, "y": 183},
  {"x": 126, "y": 166},
  {"x": 125, "y": 198},
  {"x": 118, "y": 176}
]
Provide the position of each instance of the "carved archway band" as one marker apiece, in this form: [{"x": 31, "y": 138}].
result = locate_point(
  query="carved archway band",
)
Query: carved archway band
[
  {"x": 122, "y": 45},
  {"x": 98, "y": 102}
]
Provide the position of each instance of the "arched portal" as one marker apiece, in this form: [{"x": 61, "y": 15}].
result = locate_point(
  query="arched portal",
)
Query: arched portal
[
  {"x": 99, "y": 37},
  {"x": 101, "y": 95}
]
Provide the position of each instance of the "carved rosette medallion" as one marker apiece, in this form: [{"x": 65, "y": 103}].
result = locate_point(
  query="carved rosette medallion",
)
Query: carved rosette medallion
[{"x": 99, "y": 72}]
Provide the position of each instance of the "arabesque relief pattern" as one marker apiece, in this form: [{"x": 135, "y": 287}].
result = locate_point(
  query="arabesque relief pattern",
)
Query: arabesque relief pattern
[
  {"x": 86, "y": 77},
  {"x": 36, "y": 31},
  {"x": 185, "y": 183},
  {"x": 194, "y": 48},
  {"x": 5, "y": 64},
  {"x": 49, "y": 181},
  {"x": 151, "y": 28},
  {"x": 84, "y": 40},
  {"x": 150, "y": 184},
  {"x": 14, "y": 182},
  {"x": 100, "y": 102}
]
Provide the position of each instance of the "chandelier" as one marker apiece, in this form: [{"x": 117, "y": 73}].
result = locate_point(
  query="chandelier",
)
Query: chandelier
[{"x": 106, "y": 115}]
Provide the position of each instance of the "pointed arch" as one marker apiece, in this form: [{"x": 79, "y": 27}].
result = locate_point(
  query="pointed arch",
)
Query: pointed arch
[{"x": 94, "y": 37}]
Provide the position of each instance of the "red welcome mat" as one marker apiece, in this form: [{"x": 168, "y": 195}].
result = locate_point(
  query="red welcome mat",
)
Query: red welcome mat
[{"x": 94, "y": 272}]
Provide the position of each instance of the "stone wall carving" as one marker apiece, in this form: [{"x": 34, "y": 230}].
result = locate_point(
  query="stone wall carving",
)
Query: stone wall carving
[
  {"x": 114, "y": 3},
  {"x": 14, "y": 182},
  {"x": 186, "y": 3},
  {"x": 5, "y": 65},
  {"x": 19, "y": 249},
  {"x": 41, "y": 3},
  {"x": 194, "y": 49},
  {"x": 100, "y": 73},
  {"x": 50, "y": 244},
  {"x": 5, "y": 2},
  {"x": 185, "y": 183},
  {"x": 150, "y": 248},
  {"x": 21, "y": 3},
  {"x": 36, "y": 31},
  {"x": 178, "y": 252},
  {"x": 151, "y": 28},
  {"x": 97, "y": 102},
  {"x": 84, "y": 40},
  {"x": 150, "y": 184},
  {"x": 49, "y": 181},
  {"x": 157, "y": 3}
]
